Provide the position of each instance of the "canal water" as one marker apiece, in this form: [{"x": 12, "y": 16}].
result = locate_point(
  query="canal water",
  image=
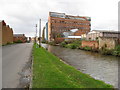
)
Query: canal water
[{"x": 99, "y": 66}]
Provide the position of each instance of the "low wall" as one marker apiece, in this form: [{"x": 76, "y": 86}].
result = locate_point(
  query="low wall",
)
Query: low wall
[
  {"x": 59, "y": 40},
  {"x": 92, "y": 44}
]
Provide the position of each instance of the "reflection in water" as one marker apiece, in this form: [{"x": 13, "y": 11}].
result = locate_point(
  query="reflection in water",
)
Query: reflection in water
[{"x": 98, "y": 66}]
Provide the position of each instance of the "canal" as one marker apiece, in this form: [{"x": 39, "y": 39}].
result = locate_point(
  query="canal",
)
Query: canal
[{"x": 99, "y": 66}]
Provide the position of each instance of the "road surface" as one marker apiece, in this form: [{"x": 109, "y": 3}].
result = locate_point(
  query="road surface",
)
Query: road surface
[{"x": 14, "y": 58}]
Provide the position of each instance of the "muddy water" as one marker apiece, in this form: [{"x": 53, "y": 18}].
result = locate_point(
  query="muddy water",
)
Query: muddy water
[{"x": 98, "y": 66}]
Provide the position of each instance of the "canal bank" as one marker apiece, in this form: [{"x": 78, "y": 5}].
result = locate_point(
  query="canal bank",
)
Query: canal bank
[
  {"x": 96, "y": 65},
  {"x": 50, "y": 72},
  {"x": 92, "y": 46}
]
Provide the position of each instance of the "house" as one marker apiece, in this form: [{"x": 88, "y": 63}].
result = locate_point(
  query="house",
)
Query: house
[
  {"x": 19, "y": 38},
  {"x": 95, "y": 34}
]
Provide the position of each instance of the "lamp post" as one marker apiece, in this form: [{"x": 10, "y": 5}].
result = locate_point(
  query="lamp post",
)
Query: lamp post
[
  {"x": 40, "y": 33},
  {"x": 36, "y": 36}
]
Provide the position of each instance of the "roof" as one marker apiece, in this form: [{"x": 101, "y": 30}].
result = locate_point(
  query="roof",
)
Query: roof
[
  {"x": 63, "y": 15},
  {"x": 18, "y": 35},
  {"x": 56, "y": 14},
  {"x": 112, "y": 31}
]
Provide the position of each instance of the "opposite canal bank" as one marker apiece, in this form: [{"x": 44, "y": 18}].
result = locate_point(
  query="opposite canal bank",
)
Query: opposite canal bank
[
  {"x": 50, "y": 72},
  {"x": 99, "y": 66},
  {"x": 92, "y": 46}
]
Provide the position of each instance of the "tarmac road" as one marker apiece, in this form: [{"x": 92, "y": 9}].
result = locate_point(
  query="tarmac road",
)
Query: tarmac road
[{"x": 14, "y": 58}]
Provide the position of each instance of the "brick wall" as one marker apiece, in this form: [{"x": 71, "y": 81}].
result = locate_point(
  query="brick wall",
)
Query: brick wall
[
  {"x": 59, "y": 40},
  {"x": 93, "y": 44},
  {"x": 7, "y": 35}
]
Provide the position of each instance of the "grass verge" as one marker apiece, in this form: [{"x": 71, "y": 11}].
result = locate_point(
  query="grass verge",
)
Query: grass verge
[{"x": 50, "y": 72}]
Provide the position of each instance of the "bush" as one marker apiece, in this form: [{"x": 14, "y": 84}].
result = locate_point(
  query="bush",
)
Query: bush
[
  {"x": 81, "y": 47},
  {"x": 28, "y": 41},
  {"x": 77, "y": 42},
  {"x": 9, "y": 43},
  {"x": 116, "y": 51},
  {"x": 87, "y": 48},
  {"x": 106, "y": 51},
  {"x": 117, "y": 48},
  {"x": 72, "y": 46},
  {"x": 44, "y": 41},
  {"x": 52, "y": 43},
  {"x": 18, "y": 41},
  {"x": 63, "y": 44}
]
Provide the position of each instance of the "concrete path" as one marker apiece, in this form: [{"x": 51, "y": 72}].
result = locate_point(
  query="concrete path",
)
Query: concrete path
[{"x": 14, "y": 58}]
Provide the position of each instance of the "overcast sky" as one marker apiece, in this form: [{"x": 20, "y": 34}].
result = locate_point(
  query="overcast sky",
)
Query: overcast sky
[{"x": 22, "y": 15}]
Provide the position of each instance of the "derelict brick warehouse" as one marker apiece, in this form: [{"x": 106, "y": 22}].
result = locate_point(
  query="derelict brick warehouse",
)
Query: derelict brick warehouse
[
  {"x": 59, "y": 23},
  {"x": 6, "y": 32}
]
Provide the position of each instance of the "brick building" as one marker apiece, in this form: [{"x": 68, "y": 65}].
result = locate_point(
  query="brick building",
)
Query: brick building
[
  {"x": 102, "y": 39},
  {"x": 95, "y": 34},
  {"x": 60, "y": 22},
  {"x": 19, "y": 37},
  {"x": 6, "y": 33}
]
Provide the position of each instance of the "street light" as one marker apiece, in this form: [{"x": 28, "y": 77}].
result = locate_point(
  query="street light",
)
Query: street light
[
  {"x": 40, "y": 33},
  {"x": 36, "y": 36}
]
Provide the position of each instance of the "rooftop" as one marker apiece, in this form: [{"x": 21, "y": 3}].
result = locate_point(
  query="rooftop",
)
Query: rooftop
[
  {"x": 63, "y": 15},
  {"x": 18, "y": 35},
  {"x": 106, "y": 31}
]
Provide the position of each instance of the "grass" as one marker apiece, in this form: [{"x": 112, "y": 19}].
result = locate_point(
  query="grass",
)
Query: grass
[{"x": 50, "y": 72}]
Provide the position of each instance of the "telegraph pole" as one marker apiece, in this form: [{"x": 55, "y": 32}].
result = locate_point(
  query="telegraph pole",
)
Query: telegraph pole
[{"x": 40, "y": 33}]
